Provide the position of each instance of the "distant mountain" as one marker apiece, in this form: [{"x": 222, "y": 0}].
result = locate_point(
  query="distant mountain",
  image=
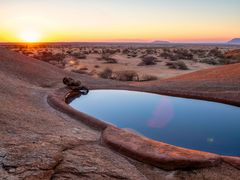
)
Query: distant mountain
[
  {"x": 234, "y": 41},
  {"x": 161, "y": 42}
]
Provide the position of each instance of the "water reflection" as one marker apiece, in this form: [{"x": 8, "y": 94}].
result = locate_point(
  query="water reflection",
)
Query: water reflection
[
  {"x": 189, "y": 123},
  {"x": 162, "y": 114}
]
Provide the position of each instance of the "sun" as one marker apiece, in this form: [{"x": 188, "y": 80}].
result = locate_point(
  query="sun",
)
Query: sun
[{"x": 30, "y": 36}]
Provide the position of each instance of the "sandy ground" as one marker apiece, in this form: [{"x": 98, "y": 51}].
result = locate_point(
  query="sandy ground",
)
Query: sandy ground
[
  {"x": 160, "y": 70},
  {"x": 93, "y": 66},
  {"x": 38, "y": 142}
]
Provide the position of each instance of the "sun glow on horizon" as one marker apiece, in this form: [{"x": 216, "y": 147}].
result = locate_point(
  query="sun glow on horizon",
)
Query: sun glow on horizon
[
  {"x": 30, "y": 36},
  {"x": 127, "y": 21}
]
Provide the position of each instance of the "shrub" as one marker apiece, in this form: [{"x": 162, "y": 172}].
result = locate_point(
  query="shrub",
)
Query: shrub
[
  {"x": 111, "y": 61},
  {"x": 79, "y": 55},
  {"x": 93, "y": 72},
  {"x": 132, "y": 54},
  {"x": 183, "y": 54},
  {"x": 79, "y": 71},
  {"x": 199, "y": 52},
  {"x": 177, "y": 54},
  {"x": 211, "y": 61},
  {"x": 106, "y": 73},
  {"x": 127, "y": 75},
  {"x": 148, "y": 60},
  {"x": 125, "y": 51},
  {"x": 177, "y": 65},
  {"x": 69, "y": 51},
  {"x": 231, "y": 57},
  {"x": 166, "y": 55},
  {"x": 146, "y": 77},
  {"x": 83, "y": 67},
  {"x": 110, "y": 51},
  {"x": 216, "y": 53},
  {"x": 151, "y": 51},
  {"x": 49, "y": 56},
  {"x": 107, "y": 57}
]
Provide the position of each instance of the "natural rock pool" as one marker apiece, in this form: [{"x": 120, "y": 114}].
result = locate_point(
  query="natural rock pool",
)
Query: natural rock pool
[{"x": 189, "y": 123}]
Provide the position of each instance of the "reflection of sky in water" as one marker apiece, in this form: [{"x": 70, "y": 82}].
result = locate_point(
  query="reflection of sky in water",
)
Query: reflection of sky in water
[
  {"x": 162, "y": 114},
  {"x": 189, "y": 123}
]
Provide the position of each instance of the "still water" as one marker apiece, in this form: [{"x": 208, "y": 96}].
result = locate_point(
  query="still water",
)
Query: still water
[{"x": 189, "y": 123}]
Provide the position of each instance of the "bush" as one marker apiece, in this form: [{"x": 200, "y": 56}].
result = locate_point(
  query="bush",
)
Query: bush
[
  {"x": 79, "y": 55},
  {"x": 151, "y": 51},
  {"x": 83, "y": 67},
  {"x": 177, "y": 65},
  {"x": 199, "y": 52},
  {"x": 127, "y": 75},
  {"x": 166, "y": 55},
  {"x": 49, "y": 56},
  {"x": 148, "y": 60},
  {"x": 210, "y": 61},
  {"x": 125, "y": 51},
  {"x": 111, "y": 51},
  {"x": 79, "y": 71},
  {"x": 106, "y": 73},
  {"x": 231, "y": 57},
  {"x": 183, "y": 54},
  {"x": 146, "y": 77},
  {"x": 216, "y": 53},
  {"x": 176, "y": 54},
  {"x": 132, "y": 54},
  {"x": 109, "y": 60}
]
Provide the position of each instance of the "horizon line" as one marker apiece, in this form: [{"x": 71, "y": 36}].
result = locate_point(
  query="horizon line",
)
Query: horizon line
[{"x": 143, "y": 42}]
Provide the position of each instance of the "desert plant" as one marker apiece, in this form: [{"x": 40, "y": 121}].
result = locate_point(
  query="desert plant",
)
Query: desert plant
[
  {"x": 177, "y": 65},
  {"x": 183, "y": 54},
  {"x": 231, "y": 57},
  {"x": 147, "y": 77},
  {"x": 215, "y": 53},
  {"x": 127, "y": 75},
  {"x": 148, "y": 60},
  {"x": 79, "y": 71},
  {"x": 111, "y": 61},
  {"x": 107, "y": 57},
  {"x": 211, "y": 61},
  {"x": 125, "y": 51},
  {"x": 49, "y": 56},
  {"x": 79, "y": 55},
  {"x": 106, "y": 73}
]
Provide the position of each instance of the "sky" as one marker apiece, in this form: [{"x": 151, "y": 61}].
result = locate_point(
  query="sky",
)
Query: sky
[{"x": 119, "y": 20}]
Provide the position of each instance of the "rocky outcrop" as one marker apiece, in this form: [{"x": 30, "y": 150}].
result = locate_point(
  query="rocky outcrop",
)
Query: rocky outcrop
[
  {"x": 39, "y": 142},
  {"x": 75, "y": 85},
  {"x": 159, "y": 154}
]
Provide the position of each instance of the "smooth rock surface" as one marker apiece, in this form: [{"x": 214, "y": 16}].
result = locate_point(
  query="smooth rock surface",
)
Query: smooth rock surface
[{"x": 39, "y": 142}]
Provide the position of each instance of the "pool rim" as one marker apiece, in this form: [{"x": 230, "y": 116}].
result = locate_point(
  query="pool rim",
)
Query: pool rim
[{"x": 180, "y": 158}]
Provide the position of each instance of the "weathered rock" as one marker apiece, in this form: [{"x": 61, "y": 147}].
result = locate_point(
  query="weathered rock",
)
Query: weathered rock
[
  {"x": 75, "y": 85},
  {"x": 157, "y": 153},
  {"x": 95, "y": 162},
  {"x": 234, "y": 161},
  {"x": 36, "y": 141}
]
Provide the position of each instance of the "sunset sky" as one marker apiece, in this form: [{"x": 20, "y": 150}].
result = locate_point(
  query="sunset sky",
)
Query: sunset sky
[{"x": 119, "y": 20}]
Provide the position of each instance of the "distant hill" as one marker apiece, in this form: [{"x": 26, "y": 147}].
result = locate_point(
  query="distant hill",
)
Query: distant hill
[
  {"x": 161, "y": 42},
  {"x": 234, "y": 41}
]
